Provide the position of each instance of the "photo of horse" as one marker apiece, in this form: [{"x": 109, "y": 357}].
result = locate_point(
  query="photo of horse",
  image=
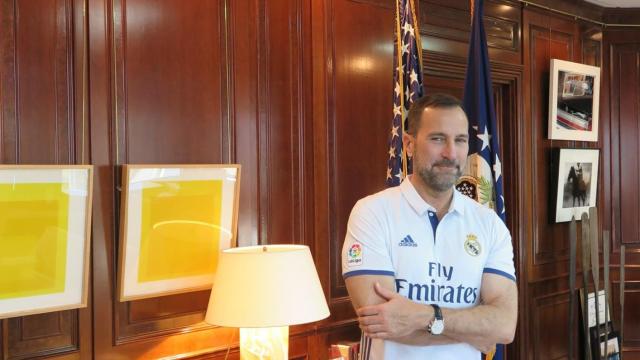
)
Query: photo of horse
[
  {"x": 576, "y": 187},
  {"x": 575, "y": 181}
]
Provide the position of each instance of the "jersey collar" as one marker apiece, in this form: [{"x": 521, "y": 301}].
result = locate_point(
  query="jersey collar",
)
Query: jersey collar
[{"x": 421, "y": 207}]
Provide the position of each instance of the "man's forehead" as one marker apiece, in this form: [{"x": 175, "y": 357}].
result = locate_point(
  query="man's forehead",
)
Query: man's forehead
[{"x": 444, "y": 113}]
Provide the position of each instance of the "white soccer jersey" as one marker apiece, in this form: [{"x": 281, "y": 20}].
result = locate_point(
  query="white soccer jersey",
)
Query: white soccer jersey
[{"x": 396, "y": 233}]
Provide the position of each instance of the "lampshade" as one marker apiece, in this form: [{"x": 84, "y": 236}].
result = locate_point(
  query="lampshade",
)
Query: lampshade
[{"x": 266, "y": 286}]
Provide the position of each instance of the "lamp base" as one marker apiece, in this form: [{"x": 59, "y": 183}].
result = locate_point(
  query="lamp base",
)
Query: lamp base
[{"x": 270, "y": 343}]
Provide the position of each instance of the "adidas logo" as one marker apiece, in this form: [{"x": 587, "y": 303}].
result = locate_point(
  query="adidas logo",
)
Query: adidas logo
[{"x": 407, "y": 241}]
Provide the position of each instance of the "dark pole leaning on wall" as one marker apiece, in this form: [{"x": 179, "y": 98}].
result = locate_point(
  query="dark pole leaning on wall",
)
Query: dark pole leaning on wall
[
  {"x": 595, "y": 270},
  {"x": 572, "y": 284},
  {"x": 605, "y": 252},
  {"x": 584, "y": 246},
  {"x": 623, "y": 248}
]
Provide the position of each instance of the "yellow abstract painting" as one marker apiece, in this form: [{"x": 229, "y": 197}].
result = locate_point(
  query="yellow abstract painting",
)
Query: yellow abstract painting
[
  {"x": 180, "y": 229},
  {"x": 33, "y": 239}
]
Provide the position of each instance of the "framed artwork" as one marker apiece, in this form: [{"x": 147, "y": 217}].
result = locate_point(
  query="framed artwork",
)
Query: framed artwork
[
  {"x": 44, "y": 238},
  {"x": 175, "y": 219},
  {"x": 576, "y": 182},
  {"x": 574, "y": 98},
  {"x": 591, "y": 308},
  {"x": 612, "y": 348},
  {"x": 598, "y": 340}
]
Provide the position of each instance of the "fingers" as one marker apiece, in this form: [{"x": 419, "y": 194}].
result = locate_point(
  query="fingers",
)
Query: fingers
[
  {"x": 384, "y": 292},
  {"x": 379, "y": 335},
  {"x": 368, "y": 311},
  {"x": 373, "y": 329},
  {"x": 370, "y": 320}
]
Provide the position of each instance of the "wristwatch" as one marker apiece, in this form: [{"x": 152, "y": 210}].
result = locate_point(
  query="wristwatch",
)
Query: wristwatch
[{"x": 436, "y": 327}]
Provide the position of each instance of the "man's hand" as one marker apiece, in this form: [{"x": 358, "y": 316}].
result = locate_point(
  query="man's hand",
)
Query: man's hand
[{"x": 395, "y": 318}]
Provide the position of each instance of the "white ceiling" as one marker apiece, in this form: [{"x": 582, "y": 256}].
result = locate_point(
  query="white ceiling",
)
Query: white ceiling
[{"x": 616, "y": 3}]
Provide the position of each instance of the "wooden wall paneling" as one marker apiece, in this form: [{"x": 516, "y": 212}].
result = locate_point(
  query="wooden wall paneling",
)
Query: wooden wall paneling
[
  {"x": 246, "y": 17},
  {"x": 43, "y": 46},
  {"x": 446, "y": 26},
  {"x": 363, "y": 101},
  {"x": 550, "y": 342},
  {"x": 630, "y": 16},
  {"x": 8, "y": 84},
  {"x": 286, "y": 163},
  {"x": 620, "y": 117},
  {"x": 548, "y": 37},
  {"x": 352, "y": 72},
  {"x": 170, "y": 107},
  {"x": 632, "y": 290},
  {"x": 341, "y": 325},
  {"x": 631, "y": 319},
  {"x": 625, "y": 96},
  {"x": 160, "y": 73},
  {"x": 545, "y": 255}
]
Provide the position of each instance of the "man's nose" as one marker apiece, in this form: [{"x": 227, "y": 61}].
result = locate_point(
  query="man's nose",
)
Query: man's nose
[{"x": 449, "y": 151}]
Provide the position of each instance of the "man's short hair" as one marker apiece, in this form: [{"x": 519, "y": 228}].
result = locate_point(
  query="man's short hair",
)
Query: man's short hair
[{"x": 438, "y": 100}]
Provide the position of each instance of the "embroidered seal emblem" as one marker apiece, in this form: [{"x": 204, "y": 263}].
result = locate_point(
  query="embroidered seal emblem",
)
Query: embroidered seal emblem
[{"x": 472, "y": 246}]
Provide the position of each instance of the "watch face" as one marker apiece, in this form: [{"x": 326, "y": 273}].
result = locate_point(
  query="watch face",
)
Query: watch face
[{"x": 437, "y": 327}]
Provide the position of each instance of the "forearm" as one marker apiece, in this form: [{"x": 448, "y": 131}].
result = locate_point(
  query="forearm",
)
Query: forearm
[
  {"x": 485, "y": 323},
  {"x": 458, "y": 323},
  {"x": 423, "y": 338}
]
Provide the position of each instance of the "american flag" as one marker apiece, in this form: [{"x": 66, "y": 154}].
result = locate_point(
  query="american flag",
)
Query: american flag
[
  {"x": 482, "y": 179},
  {"x": 407, "y": 80}
]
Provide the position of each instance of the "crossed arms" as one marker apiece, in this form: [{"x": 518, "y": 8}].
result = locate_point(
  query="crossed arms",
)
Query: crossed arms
[{"x": 385, "y": 314}]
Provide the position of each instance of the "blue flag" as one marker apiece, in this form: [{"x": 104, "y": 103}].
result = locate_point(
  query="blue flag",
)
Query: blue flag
[
  {"x": 407, "y": 86},
  {"x": 482, "y": 179}
]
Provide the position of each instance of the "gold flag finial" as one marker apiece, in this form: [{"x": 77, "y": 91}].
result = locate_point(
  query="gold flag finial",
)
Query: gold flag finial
[{"x": 471, "y": 2}]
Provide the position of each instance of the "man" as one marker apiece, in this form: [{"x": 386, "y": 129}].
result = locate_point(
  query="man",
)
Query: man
[{"x": 424, "y": 243}]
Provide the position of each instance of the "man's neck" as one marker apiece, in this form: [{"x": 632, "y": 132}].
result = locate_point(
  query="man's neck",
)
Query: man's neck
[{"x": 441, "y": 201}]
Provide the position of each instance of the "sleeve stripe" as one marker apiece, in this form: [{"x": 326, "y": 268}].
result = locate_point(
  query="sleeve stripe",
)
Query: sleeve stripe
[
  {"x": 499, "y": 272},
  {"x": 367, "y": 272}
]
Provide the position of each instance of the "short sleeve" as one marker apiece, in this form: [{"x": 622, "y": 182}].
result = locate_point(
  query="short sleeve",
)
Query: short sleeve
[
  {"x": 365, "y": 250},
  {"x": 500, "y": 260}
]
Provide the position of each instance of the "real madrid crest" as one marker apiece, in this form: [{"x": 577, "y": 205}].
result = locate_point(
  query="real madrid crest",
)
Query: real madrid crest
[{"x": 472, "y": 246}]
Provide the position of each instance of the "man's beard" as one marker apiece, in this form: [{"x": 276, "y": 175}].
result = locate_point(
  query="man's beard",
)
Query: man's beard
[{"x": 440, "y": 182}]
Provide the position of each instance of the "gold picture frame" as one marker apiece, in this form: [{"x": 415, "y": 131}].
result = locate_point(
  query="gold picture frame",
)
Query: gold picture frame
[
  {"x": 175, "y": 219},
  {"x": 44, "y": 238}
]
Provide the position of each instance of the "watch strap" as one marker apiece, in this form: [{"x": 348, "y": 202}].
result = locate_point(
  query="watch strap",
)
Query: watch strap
[{"x": 437, "y": 312}]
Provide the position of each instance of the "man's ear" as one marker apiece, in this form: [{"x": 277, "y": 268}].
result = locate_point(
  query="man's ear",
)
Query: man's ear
[{"x": 408, "y": 142}]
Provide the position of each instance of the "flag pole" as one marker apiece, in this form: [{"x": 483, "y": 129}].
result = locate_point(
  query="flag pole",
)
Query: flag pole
[{"x": 401, "y": 82}]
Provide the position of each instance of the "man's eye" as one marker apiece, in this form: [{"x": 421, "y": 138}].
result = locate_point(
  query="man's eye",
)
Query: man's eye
[{"x": 437, "y": 139}]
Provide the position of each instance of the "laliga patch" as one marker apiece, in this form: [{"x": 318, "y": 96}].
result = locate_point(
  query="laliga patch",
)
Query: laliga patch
[
  {"x": 354, "y": 255},
  {"x": 472, "y": 246}
]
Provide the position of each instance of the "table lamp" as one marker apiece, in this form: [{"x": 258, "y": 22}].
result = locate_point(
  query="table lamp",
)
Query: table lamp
[{"x": 262, "y": 290}]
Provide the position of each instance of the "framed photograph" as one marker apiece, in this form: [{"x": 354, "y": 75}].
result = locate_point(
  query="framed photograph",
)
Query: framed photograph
[
  {"x": 591, "y": 308},
  {"x": 574, "y": 97},
  {"x": 44, "y": 238},
  {"x": 576, "y": 182},
  {"x": 599, "y": 337},
  {"x": 612, "y": 349},
  {"x": 175, "y": 219}
]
